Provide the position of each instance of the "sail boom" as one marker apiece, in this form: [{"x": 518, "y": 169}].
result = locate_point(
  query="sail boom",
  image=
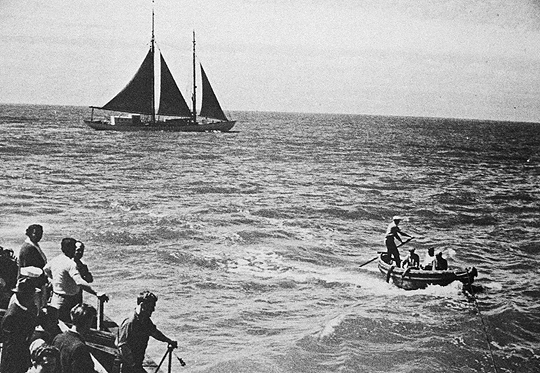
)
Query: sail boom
[{"x": 123, "y": 111}]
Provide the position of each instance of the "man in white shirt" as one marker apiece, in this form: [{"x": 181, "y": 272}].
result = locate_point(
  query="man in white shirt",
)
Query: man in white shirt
[
  {"x": 66, "y": 280},
  {"x": 429, "y": 259}
]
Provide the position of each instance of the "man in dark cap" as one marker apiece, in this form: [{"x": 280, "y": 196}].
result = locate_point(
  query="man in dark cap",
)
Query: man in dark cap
[
  {"x": 17, "y": 327},
  {"x": 135, "y": 331}
]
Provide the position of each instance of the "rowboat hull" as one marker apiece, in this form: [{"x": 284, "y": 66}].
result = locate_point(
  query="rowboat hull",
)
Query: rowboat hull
[
  {"x": 412, "y": 279},
  {"x": 170, "y": 126}
]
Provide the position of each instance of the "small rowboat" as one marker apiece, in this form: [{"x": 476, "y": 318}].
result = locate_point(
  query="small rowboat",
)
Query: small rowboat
[{"x": 411, "y": 278}]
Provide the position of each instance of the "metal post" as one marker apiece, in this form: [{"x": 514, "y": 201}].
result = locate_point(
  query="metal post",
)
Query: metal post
[
  {"x": 170, "y": 359},
  {"x": 101, "y": 313}
]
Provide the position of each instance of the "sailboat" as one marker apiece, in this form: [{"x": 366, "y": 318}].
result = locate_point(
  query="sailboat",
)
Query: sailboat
[{"x": 137, "y": 102}]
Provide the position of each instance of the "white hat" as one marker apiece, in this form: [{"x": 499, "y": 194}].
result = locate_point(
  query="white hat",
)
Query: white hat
[
  {"x": 31, "y": 272},
  {"x": 36, "y": 344},
  {"x": 397, "y": 217}
]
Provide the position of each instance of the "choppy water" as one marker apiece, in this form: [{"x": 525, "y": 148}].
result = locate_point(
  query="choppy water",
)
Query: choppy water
[{"x": 252, "y": 239}]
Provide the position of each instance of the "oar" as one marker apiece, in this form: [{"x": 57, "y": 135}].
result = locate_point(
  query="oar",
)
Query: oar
[
  {"x": 371, "y": 260},
  {"x": 403, "y": 243}
]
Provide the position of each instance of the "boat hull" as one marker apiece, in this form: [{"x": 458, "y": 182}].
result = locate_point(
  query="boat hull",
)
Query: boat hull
[
  {"x": 412, "y": 279},
  {"x": 170, "y": 126}
]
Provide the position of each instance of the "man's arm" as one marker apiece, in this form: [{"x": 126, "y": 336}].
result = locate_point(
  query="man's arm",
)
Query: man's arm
[
  {"x": 84, "y": 272},
  {"x": 402, "y": 233},
  {"x": 85, "y": 285},
  {"x": 157, "y": 334}
]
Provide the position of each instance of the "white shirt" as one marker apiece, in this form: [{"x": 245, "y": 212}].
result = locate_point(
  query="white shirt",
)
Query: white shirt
[
  {"x": 64, "y": 276},
  {"x": 428, "y": 260}
]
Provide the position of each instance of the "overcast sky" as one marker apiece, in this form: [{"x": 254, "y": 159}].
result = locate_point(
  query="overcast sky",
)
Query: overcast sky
[{"x": 446, "y": 58}]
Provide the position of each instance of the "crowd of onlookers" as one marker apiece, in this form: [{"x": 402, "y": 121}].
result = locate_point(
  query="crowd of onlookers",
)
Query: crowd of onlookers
[{"x": 40, "y": 296}]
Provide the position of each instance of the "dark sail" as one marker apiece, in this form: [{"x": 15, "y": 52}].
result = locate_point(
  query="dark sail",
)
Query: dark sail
[
  {"x": 137, "y": 96},
  {"x": 210, "y": 105},
  {"x": 171, "y": 101}
]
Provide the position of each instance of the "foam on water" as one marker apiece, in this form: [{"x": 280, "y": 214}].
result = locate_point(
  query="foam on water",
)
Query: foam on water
[{"x": 253, "y": 239}]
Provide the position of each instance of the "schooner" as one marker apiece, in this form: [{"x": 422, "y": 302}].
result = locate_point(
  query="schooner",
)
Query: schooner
[{"x": 137, "y": 102}]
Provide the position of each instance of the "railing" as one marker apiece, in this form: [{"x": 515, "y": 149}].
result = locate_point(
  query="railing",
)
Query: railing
[{"x": 101, "y": 312}]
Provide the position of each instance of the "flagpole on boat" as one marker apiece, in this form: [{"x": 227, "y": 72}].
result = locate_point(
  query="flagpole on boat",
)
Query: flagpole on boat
[{"x": 194, "y": 97}]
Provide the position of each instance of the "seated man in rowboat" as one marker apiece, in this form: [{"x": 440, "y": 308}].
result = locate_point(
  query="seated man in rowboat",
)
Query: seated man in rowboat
[
  {"x": 429, "y": 259},
  {"x": 440, "y": 263},
  {"x": 394, "y": 233},
  {"x": 412, "y": 260}
]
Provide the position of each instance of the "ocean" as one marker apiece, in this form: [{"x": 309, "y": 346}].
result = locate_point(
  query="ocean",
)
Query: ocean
[{"x": 253, "y": 240}]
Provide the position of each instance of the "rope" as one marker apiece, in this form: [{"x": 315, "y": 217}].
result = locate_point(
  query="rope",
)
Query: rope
[{"x": 484, "y": 327}]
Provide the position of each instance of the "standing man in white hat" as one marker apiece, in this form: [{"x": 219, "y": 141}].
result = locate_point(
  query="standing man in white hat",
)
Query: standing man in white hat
[{"x": 393, "y": 233}]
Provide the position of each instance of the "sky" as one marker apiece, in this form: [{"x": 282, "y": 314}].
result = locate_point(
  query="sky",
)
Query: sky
[{"x": 440, "y": 58}]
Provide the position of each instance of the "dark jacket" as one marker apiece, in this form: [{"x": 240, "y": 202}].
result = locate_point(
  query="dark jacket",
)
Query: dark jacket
[
  {"x": 135, "y": 333},
  {"x": 29, "y": 256},
  {"x": 17, "y": 328},
  {"x": 441, "y": 263},
  {"x": 74, "y": 353}
]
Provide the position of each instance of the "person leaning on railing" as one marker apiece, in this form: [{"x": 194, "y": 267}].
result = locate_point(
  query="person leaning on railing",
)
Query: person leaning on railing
[{"x": 67, "y": 281}]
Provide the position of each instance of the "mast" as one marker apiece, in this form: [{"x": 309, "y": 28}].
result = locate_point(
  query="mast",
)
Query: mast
[
  {"x": 194, "y": 97},
  {"x": 153, "y": 83}
]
